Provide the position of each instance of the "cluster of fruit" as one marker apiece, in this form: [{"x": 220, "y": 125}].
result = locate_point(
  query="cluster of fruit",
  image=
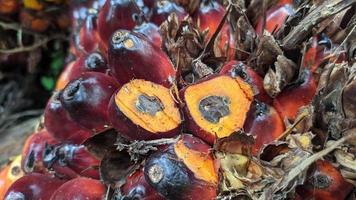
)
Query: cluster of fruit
[{"x": 127, "y": 76}]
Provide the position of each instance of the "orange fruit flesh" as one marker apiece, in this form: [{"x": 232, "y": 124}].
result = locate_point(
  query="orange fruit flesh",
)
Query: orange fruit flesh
[
  {"x": 166, "y": 118},
  {"x": 237, "y": 93},
  {"x": 201, "y": 164},
  {"x": 9, "y": 175}
]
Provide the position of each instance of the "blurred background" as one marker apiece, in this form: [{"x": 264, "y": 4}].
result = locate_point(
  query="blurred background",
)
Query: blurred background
[{"x": 33, "y": 44}]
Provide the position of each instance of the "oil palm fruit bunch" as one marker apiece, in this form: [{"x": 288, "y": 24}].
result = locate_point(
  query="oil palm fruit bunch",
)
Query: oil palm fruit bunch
[{"x": 200, "y": 100}]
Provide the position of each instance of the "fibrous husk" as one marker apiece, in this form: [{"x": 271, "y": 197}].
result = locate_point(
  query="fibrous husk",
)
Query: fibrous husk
[
  {"x": 102, "y": 143},
  {"x": 345, "y": 159},
  {"x": 283, "y": 164},
  {"x": 334, "y": 103},
  {"x": 265, "y": 54},
  {"x": 297, "y": 168},
  {"x": 138, "y": 149},
  {"x": 349, "y": 97},
  {"x": 240, "y": 174},
  {"x": 257, "y": 8},
  {"x": 182, "y": 41},
  {"x": 238, "y": 142},
  {"x": 244, "y": 33},
  {"x": 277, "y": 78},
  {"x": 189, "y": 49},
  {"x": 316, "y": 14},
  {"x": 280, "y": 168},
  {"x": 351, "y": 42}
]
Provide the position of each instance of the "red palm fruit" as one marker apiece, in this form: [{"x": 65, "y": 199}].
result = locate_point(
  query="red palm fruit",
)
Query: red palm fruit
[
  {"x": 318, "y": 51},
  {"x": 73, "y": 46},
  {"x": 275, "y": 17},
  {"x": 9, "y": 175},
  {"x": 71, "y": 161},
  {"x": 136, "y": 187},
  {"x": 66, "y": 75},
  {"x": 79, "y": 12},
  {"x": 212, "y": 111},
  {"x": 35, "y": 21},
  {"x": 184, "y": 170},
  {"x": 133, "y": 56},
  {"x": 312, "y": 55},
  {"x": 9, "y": 6},
  {"x": 88, "y": 35},
  {"x": 117, "y": 14},
  {"x": 209, "y": 16},
  {"x": 162, "y": 9},
  {"x": 142, "y": 110},
  {"x": 239, "y": 69},
  {"x": 55, "y": 116},
  {"x": 151, "y": 31},
  {"x": 32, "y": 152},
  {"x": 146, "y": 11},
  {"x": 283, "y": 2},
  {"x": 80, "y": 189},
  {"x": 94, "y": 62},
  {"x": 86, "y": 99},
  {"x": 324, "y": 182},
  {"x": 33, "y": 186},
  {"x": 292, "y": 98},
  {"x": 264, "y": 123},
  {"x": 149, "y": 3}
]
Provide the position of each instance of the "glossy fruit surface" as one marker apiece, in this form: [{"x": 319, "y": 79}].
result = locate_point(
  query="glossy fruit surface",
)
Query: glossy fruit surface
[
  {"x": 133, "y": 56},
  {"x": 292, "y": 98},
  {"x": 87, "y": 98},
  {"x": 162, "y": 9},
  {"x": 136, "y": 187},
  {"x": 55, "y": 116},
  {"x": 208, "y": 17},
  {"x": 318, "y": 51},
  {"x": 117, "y": 14},
  {"x": 33, "y": 150},
  {"x": 263, "y": 122},
  {"x": 88, "y": 35},
  {"x": 33, "y": 186},
  {"x": 71, "y": 161},
  {"x": 93, "y": 62},
  {"x": 142, "y": 110},
  {"x": 80, "y": 189},
  {"x": 151, "y": 31},
  {"x": 275, "y": 18}
]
